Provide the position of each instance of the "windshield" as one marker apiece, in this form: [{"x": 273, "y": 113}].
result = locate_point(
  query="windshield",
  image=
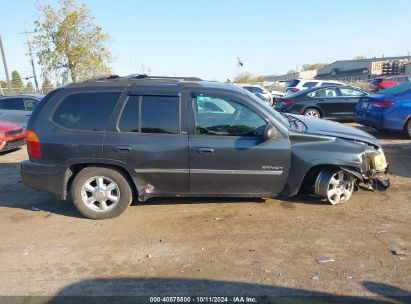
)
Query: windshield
[
  {"x": 269, "y": 109},
  {"x": 398, "y": 89}
]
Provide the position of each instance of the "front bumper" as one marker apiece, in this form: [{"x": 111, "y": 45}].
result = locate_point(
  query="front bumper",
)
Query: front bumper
[
  {"x": 45, "y": 177},
  {"x": 11, "y": 144}
]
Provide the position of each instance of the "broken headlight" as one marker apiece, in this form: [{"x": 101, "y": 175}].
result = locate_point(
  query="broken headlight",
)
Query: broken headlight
[{"x": 379, "y": 162}]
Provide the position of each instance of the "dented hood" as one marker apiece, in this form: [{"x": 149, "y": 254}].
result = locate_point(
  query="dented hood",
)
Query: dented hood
[{"x": 317, "y": 126}]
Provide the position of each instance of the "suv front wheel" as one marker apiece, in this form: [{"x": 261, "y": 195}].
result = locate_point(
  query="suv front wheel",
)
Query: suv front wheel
[{"x": 101, "y": 193}]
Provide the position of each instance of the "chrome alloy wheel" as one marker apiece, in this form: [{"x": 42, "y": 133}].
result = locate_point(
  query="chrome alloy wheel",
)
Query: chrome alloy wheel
[
  {"x": 100, "y": 194},
  {"x": 312, "y": 113},
  {"x": 336, "y": 186}
]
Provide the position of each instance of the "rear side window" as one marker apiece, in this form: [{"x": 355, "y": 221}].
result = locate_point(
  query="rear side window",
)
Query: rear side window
[
  {"x": 151, "y": 114},
  {"x": 309, "y": 84},
  {"x": 160, "y": 114},
  {"x": 351, "y": 92},
  {"x": 86, "y": 111},
  {"x": 13, "y": 104},
  {"x": 293, "y": 83}
]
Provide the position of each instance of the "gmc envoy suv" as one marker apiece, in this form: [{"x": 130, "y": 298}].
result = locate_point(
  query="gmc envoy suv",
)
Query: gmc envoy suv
[{"x": 108, "y": 140}]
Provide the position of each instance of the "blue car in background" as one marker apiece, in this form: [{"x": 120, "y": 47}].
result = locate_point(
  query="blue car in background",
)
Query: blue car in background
[{"x": 389, "y": 109}]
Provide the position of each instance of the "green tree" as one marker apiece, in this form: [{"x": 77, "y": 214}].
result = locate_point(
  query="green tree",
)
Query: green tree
[
  {"x": 47, "y": 86},
  {"x": 313, "y": 66},
  {"x": 16, "y": 82},
  {"x": 291, "y": 72},
  {"x": 29, "y": 87},
  {"x": 69, "y": 43},
  {"x": 244, "y": 78},
  {"x": 4, "y": 90}
]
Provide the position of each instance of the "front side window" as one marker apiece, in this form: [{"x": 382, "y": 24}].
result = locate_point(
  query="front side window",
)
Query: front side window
[
  {"x": 13, "y": 104},
  {"x": 224, "y": 117},
  {"x": 86, "y": 111},
  {"x": 160, "y": 114}
]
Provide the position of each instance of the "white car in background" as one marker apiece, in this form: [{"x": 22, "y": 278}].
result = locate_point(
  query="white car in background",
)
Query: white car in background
[
  {"x": 256, "y": 88},
  {"x": 297, "y": 85}
]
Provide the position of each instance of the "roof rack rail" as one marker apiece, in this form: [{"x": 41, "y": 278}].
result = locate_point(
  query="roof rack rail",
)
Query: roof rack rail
[
  {"x": 135, "y": 76},
  {"x": 104, "y": 77},
  {"x": 145, "y": 76}
]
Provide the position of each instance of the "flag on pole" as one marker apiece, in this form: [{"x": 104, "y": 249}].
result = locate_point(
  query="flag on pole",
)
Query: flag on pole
[{"x": 239, "y": 63}]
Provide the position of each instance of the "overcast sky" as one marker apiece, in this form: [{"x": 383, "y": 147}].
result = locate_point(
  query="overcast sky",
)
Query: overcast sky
[{"x": 203, "y": 38}]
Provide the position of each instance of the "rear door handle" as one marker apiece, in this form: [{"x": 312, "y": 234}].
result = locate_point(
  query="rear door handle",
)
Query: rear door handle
[
  {"x": 122, "y": 148},
  {"x": 321, "y": 99},
  {"x": 205, "y": 150},
  {"x": 28, "y": 114}
]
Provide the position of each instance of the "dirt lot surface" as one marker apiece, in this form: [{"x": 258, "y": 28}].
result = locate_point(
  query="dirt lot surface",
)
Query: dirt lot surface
[{"x": 210, "y": 246}]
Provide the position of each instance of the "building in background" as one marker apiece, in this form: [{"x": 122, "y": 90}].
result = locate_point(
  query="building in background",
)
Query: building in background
[
  {"x": 363, "y": 69},
  {"x": 281, "y": 80}
]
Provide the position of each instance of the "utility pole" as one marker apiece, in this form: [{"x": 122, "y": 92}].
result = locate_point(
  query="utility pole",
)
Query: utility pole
[
  {"x": 31, "y": 59},
  {"x": 3, "y": 54}
]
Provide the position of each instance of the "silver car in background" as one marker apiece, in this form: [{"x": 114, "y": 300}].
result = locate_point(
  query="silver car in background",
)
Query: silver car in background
[{"x": 18, "y": 108}]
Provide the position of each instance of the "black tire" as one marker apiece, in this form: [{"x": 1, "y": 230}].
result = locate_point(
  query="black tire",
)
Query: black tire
[
  {"x": 122, "y": 193},
  {"x": 407, "y": 128},
  {"x": 311, "y": 112}
]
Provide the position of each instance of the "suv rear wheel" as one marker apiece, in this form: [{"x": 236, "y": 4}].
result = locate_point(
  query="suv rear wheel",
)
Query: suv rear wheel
[
  {"x": 312, "y": 113},
  {"x": 101, "y": 193},
  {"x": 335, "y": 185}
]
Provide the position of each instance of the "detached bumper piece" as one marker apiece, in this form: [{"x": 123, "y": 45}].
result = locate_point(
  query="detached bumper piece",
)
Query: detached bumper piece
[{"x": 378, "y": 181}]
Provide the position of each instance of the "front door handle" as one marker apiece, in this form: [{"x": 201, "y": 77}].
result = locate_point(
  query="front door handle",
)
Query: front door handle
[
  {"x": 122, "y": 148},
  {"x": 205, "y": 150},
  {"x": 321, "y": 99}
]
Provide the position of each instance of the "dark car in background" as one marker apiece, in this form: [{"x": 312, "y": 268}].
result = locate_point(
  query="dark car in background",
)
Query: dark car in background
[
  {"x": 385, "y": 82},
  {"x": 18, "y": 108},
  {"x": 388, "y": 109},
  {"x": 331, "y": 102}
]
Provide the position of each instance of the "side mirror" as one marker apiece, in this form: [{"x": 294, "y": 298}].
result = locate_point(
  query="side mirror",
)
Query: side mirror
[{"x": 271, "y": 132}]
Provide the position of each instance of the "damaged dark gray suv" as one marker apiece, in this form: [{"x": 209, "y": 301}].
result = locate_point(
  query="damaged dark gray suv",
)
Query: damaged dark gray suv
[{"x": 112, "y": 139}]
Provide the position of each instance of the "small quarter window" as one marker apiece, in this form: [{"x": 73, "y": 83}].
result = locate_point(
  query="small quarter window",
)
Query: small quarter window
[{"x": 129, "y": 120}]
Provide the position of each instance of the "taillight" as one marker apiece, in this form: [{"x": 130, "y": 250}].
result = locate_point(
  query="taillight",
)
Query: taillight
[
  {"x": 287, "y": 102},
  {"x": 33, "y": 144},
  {"x": 294, "y": 90},
  {"x": 381, "y": 104}
]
